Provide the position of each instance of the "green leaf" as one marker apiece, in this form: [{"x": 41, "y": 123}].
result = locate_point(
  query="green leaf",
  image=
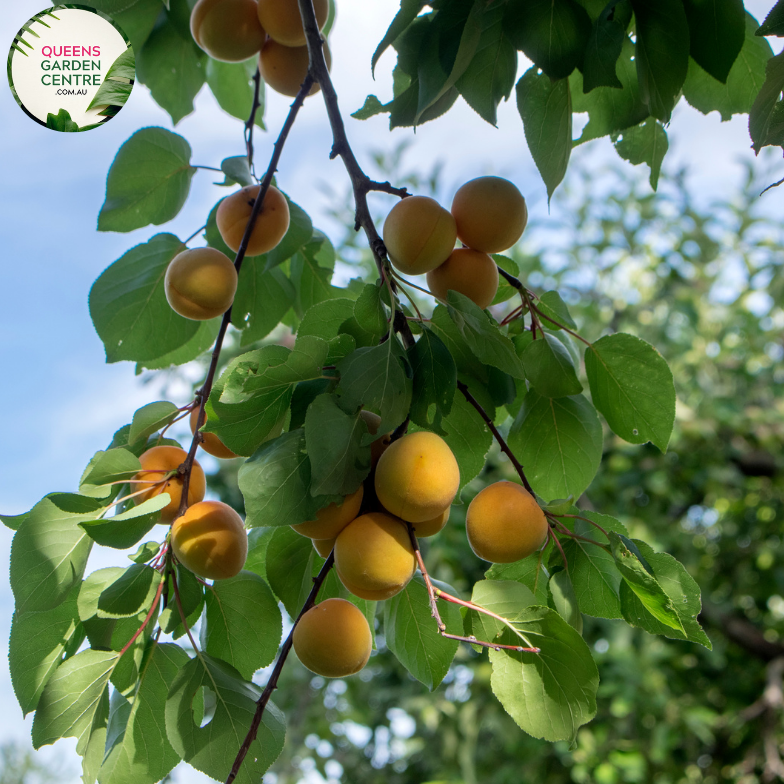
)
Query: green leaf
[
  {"x": 190, "y": 350},
  {"x": 552, "y": 33},
  {"x": 481, "y": 333},
  {"x": 646, "y": 143},
  {"x": 507, "y": 598},
  {"x": 744, "y": 81},
  {"x": 339, "y": 460},
  {"x": 446, "y": 329},
  {"x": 551, "y": 306},
  {"x": 530, "y": 571},
  {"x": 49, "y": 551},
  {"x": 258, "y": 539},
  {"x": 151, "y": 418},
  {"x": 128, "y": 305},
  {"x": 237, "y": 170},
  {"x": 644, "y": 586},
  {"x": 35, "y": 650},
  {"x": 172, "y": 67},
  {"x": 323, "y": 320},
  {"x": 682, "y": 590},
  {"x": 565, "y": 600},
  {"x": 71, "y": 701},
  {"x": 310, "y": 277},
  {"x": 662, "y": 53},
  {"x": 192, "y": 600},
  {"x": 136, "y": 17},
  {"x": 137, "y": 751},
  {"x": 113, "y": 465},
  {"x": 550, "y": 694},
  {"x": 409, "y": 10},
  {"x": 275, "y": 483},
  {"x": 212, "y": 748},
  {"x": 549, "y": 368},
  {"x": 249, "y": 401},
  {"x": 370, "y": 108},
  {"x": 412, "y": 635},
  {"x": 376, "y": 379},
  {"x": 490, "y": 75},
  {"x": 763, "y": 111},
  {"x": 545, "y": 107},
  {"x": 435, "y": 381},
  {"x": 632, "y": 387},
  {"x": 113, "y": 92},
  {"x": 299, "y": 232},
  {"x": 61, "y": 122},
  {"x": 262, "y": 300},
  {"x": 716, "y": 30},
  {"x": 593, "y": 570},
  {"x": 232, "y": 85},
  {"x": 125, "y": 529},
  {"x": 559, "y": 441},
  {"x": 603, "y": 50},
  {"x": 149, "y": 181},
  {"x": 131, "y": 593},
  {"x": 290, "y": 567},
  {"x": 774, "y": 21},
  {"x": 368, "y": 322},
  {"x": 243, "y": 623},
  {"x": 146, "y": 552}
]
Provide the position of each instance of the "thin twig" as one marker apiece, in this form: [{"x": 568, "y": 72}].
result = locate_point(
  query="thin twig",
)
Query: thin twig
[
  {"x": 251, "y": 121},
  {"x": 587, "y": 520},
  {"x": 551, "y": 535}
]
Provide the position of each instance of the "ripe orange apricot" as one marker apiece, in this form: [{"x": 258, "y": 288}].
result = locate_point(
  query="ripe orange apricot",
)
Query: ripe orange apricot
[
  {"x": 156, "y": 463},
  {"x": 228, "y": 30},
  {"x": 324, "y": 546},
  {"x": 283, "y": 23},
  {"x": 419, "y": 235},
  {"x": 210, "y": 540},
  {"x": 379, "y": 446},
  {"x": 374, "y": 557},
  {"x": 417, "y": 478},
  {"x": 200, "y": 283},
  {"x": 490, "y": 214},
  {"x": 333, "y": 639},
  {"x": 332, "y": 519},
  {"x": 271, "y": 224},
  {"x": 284, "y": 68},
  {"x": 468, "y": 271},
  {"x": 432, "y": 527},
  {"x": 504, "y": 523},
  {"x": 211, "y": 444}
]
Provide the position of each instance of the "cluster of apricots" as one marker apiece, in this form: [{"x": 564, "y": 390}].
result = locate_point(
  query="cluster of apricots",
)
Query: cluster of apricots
[
  {"x": 488, "y": 216},
  {"x": 234, "y": 30}
]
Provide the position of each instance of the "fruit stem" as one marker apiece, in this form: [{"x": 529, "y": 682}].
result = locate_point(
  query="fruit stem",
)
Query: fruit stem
[
  {"x": 551, "y": 535},
  {"x": 587, "y": 520},
  {"x": 146, "y": 620}
]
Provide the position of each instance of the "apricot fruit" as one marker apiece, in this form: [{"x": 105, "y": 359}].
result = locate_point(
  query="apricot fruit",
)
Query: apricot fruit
[
  {"x": 374, "y": 557},
  {"x": 200, "y": 283},
  {"x": 504, "y": 523},
  {"x": 324, "y": 546},
  {"x": 432, "y": 527},
  {"x": 283, "y": 23},
  {"x": 469, "y": 272},
  {"x": 271, "y": 225},
  {"x": 228, "y": 30},
  {"x": 284, "y": 68},
  {"x": 379, "y": 446},
  {"x": 211, "y": 444},
  {"x": 419, "y": 235},
  {"x": 210, "y": 540},
  {"x": 332, "y": 519},
  {"x": 156, "y": 463},
  {"x": 333, "y": 639},
  {"x": 417, "y": 477},
  {"x": 490, "y": 214}
]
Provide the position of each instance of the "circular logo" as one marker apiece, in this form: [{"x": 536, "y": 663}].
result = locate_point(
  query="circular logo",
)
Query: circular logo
[{"x": 71, "y": 68}]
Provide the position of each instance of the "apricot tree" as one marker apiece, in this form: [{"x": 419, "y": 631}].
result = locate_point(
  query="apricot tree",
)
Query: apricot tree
[{"x": 96, "y": 656}]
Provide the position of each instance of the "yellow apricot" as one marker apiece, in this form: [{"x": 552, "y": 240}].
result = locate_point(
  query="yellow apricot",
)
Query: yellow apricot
[
  {"x": 417, "y": 478},
  {"x": 332, "y": 519},
  {"x": 210, "y": 540},
  {"x": 374, "y": 557},
  {"x": 271, "y": 224},
  {"x": 419, "y": 235},
  {"x": 228, "y": 30},
  {"x": 504, "y": 523},
  {"x": 468, "y": 271},
  {"x": 283, "y": 23},
  {"x": 379, "y": 446},
  {"x": 333, "y": 639},
  {"x": 432, "y": 527},
  {"x": 284, "y": 68},
  {"x": 211, "y": 444},
  {"x": 200, "y": 283},
  {"x": 156, "y": 463},
  {"x": 490, "y": 214},
  {"x": 324, "y": 546}
]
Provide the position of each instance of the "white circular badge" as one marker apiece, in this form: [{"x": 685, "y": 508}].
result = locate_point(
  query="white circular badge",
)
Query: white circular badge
[{"x": 71, "y": 68}]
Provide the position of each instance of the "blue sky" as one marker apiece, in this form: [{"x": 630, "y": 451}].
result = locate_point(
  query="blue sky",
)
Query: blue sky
[{"x": 60, "y": 401}]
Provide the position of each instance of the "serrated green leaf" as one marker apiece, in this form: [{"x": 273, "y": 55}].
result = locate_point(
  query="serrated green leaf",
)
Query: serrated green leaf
[
  {"x": 132, "y": 592},
  {"x": 632, "y": 387},
  {"x": 774, "y": 21},
  {"x": 507, "y": 598},
  {"x": 125, "y": 529},
  {"x": 113, "y": 465},
  {"x": 146, "y": 552},
  {"x": 148, "y": 181},
  {"x": 646, "y": 143},
  {"x": 310, "y": 276},
  {"x": 368, "y": 323},
  {"x": 323, "y": 320},
  {"x": 446, "y": 329},
  {"x": 262, "y": 300},
  {"x": 192, "y": 601},
  {"x": 412, "y": 635},
  {"x": 565, "y": 600},
  {"x": 549, "y": 368},
  {"x": 763, "y": 111},
  {"x": 290, "y": 566},
  {"x": 243, "y": 623},
  {"x": 233, "y": 88},
  {"x": 435, "y": 381},
  {"x": 299, "y": 232},
  {"x": 531, "y": 572},
  {"x": 554, "y": 311},
  {"x": 602, "y": 51},
  {"x": 237, "y": 170},
  {"x": 409, "y": 10},
  {"x": 188, "y": 351},
  {"x": 151, "y": 418},
  {"x": 716, "y": 31}
]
